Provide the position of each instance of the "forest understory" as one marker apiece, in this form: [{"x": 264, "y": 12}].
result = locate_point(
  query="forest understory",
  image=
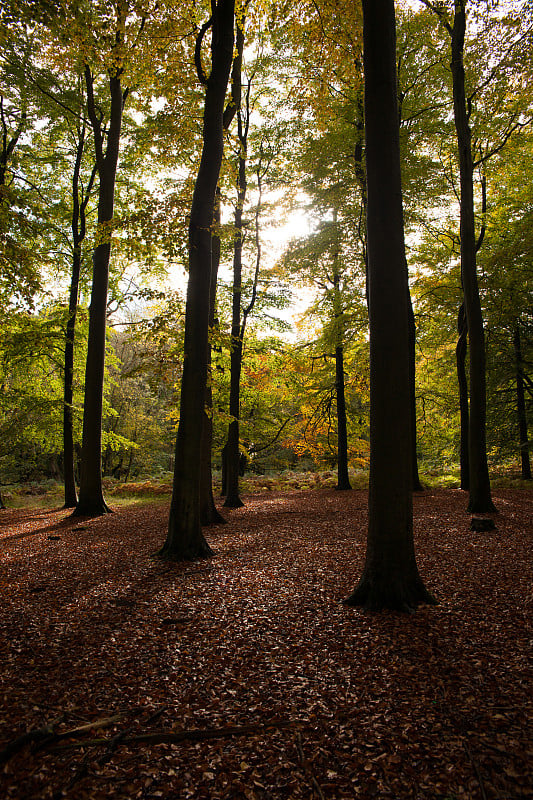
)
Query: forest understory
[{"x": 244, "y": 676}]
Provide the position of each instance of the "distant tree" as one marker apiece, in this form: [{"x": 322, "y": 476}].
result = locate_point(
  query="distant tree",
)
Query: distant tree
[
  {"x": 390, "y": 577},
  {"x": 185, "y": 539}
]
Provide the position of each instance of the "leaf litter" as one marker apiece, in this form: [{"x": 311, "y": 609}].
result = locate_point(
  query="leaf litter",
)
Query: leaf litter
[{"x": 243, "y": 676}]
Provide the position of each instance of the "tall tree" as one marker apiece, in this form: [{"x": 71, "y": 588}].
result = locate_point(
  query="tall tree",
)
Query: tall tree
[
  {"x": 390, "y": 577},
  {"x": 91, "y": 499},
  {"x": 454, "y": 21},
  {"x": 185, "y": 539},
  {"x": 209, "y": 514},
  {"x": 80, "y": 200}
]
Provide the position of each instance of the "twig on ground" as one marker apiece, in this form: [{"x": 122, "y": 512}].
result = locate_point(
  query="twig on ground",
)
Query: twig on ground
[
  {"x": 476, "y": 770},
  {"x": 307, "y": 767}
]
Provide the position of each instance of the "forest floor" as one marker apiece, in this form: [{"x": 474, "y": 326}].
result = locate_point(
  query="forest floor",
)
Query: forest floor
[{"x": 243, "y": 676}]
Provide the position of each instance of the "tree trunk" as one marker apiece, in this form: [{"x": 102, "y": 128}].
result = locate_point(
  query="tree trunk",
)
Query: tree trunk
[
  {"x": 521, "y": 406},
  {"x": 343, "y": 479},
  {"x": 416, "y": 485},
  {"x": 2, "y": 506},
  {"x": 91, "y": 499},
  {"x": 233, "y": 451},
  {"x": 480, "y": 494},
  {"x": 209, "y": 514},
  {"x": 460, "y": 358},
  {"x": 390, "y": 577},
  {"x": 185, "y": 539},
  {"x": 78, "y": 235}
]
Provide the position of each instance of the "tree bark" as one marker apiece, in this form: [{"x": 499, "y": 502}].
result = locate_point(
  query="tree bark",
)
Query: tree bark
[
  {"x": 343, "y": 479},
  {"x": 460, "y": 359},
  {"x": 390, "y": 576},
  {"x": 521, "y": 406},
  {"x": 233, "y": 452},
  {"x": 416, "y": 485},
  {"x": 185, "y": 539},
  {"x": 78, "y": 235},
  {"x": 479, "y": 483},
  {"x": 91, "y": 499},
  {"x": 209, "y": 514}
]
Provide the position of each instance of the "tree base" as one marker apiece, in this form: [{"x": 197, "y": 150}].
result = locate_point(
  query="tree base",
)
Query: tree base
[
  {"x": 233, "y": 502},
  {"x": 188, "y": 553},
  {"x": 91, "y": 509},
  {"x": 69, "y": 504},
  {"x": 404, "y": 597},
  {"x": 213, "y": 517},
  {"x": 482, "y": 507},
  {"x": 343, "y": 487}
]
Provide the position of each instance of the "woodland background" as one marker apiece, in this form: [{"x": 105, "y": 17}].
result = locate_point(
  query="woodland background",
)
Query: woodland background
[{"x": 303, "y": 240}]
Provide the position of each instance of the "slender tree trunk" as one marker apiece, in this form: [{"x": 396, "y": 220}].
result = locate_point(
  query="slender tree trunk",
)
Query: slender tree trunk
[
  {"x": 91, "y": 499},
  {"x": 209, "y": 514},
  {"x": 480, "y": 494},
  {"x": 2, "y": 506},
  {"x": 343, "y": 479},
  {"x": 78, "y": 236},
  {"x": 390, "y": 577},
  {"x": 185, "y": 539},
  {"x": 460, "y": 358},
  {"x": 416, "y": 485},
  {"x": 521, "y": 406},
  {"x": 233, "y": 451}
]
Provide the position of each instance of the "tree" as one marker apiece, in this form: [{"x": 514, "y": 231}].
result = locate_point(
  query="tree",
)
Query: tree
[
  {"x": 471, "y": 322},
  {"x": 390, "y": 577},
  {"x": 185, "y": 539},
  {"x": 209, "y": 514},
  {"x": 91, "y": 500},
  {"x": 80, "y": 199}
]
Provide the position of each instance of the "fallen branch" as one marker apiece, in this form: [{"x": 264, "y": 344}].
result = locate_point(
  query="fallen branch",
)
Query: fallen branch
[
  {"x": 191, "y": 735},
  {"x": 307, "y": 768},
  {"x": 30, "y": 737},
  {"x": 44, "y": 736},
  {"x": 476, "y": 770}
]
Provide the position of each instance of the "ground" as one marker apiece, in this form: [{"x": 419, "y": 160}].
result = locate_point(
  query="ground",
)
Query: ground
[{"x": 251, "y": 678}]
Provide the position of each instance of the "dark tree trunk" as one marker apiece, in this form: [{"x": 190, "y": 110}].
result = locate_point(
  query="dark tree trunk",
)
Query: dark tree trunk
[
  {"x": 2, "y": 506},
  {"x": 185, "y": 539},
  {"x": 91, "y": 499},
  {"x": 460, "y": 358},
  {"x": 479, "y": 484},
  {"x": 343, "y": 479},
  {"x": 209, "y": 514},
  {"x": 233, "y": 451},
  {"x": 390, "y": 577},
  {"x": 416, "y": 485},
  {"x": 521, "y": 406},
  {"x": 78, "y": 236}
]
